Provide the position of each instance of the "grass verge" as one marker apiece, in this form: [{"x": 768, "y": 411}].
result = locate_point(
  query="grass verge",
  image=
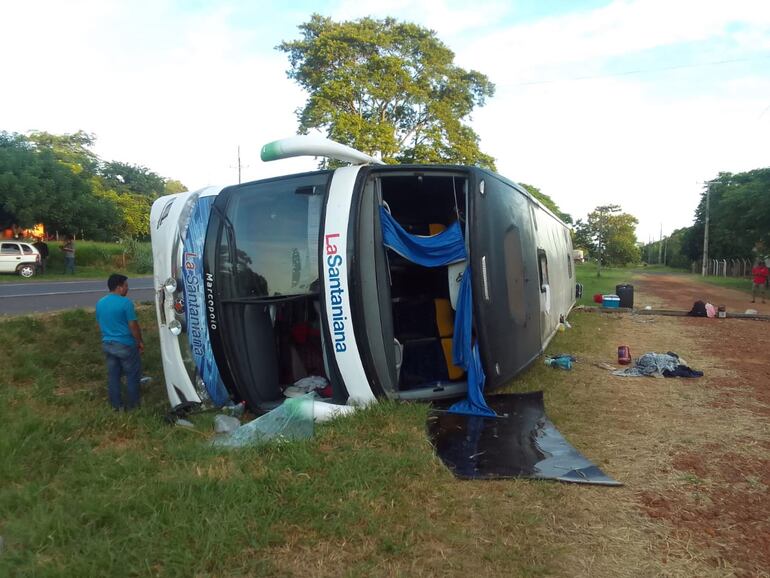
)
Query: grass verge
[
  {"x": 605, "y": 284},
  {"x": 85, "y": 491}
]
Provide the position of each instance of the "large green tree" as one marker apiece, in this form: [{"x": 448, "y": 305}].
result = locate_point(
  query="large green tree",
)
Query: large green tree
[
  {"x": 609, "y": 235},
  {"x": 38, "y": 186},
  {"x": 387, "y": 88},
  {"x": 59, "y": 181},
  {"x": 739, "y": 217}
]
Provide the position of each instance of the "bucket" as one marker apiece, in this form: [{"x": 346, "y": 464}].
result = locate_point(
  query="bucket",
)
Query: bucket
[{"x": 721, "y": 313}]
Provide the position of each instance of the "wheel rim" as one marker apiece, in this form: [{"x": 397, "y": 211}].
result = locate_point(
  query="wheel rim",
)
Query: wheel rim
[{"x": 27, "y": 271}]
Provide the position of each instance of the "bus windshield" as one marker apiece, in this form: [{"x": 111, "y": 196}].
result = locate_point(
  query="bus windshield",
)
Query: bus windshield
[{"x": 269, "y": 245}]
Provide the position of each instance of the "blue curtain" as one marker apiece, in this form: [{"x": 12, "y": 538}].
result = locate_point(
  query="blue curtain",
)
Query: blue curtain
[{"x": 435, "y": 251}]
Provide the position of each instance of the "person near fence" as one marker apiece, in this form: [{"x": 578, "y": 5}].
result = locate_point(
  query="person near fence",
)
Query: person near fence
[
  {"x": 760, "y": 272},
  {"x": 121, "y": 342}
]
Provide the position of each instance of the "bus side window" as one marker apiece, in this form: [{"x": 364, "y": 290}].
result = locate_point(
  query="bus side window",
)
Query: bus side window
[{"x": 542, "y": 268}]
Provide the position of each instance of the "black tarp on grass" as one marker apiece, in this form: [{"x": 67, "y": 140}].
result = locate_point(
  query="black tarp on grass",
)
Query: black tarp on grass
[{"x": 521, "y": 443}]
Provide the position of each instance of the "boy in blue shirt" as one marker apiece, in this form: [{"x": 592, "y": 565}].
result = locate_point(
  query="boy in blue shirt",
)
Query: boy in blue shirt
[{"x": 121, "y": 342}]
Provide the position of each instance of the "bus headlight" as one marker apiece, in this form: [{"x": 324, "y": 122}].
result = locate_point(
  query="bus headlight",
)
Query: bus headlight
[
  {"x": 170, "y": 285},
  {"x": 175, "y": 327}
]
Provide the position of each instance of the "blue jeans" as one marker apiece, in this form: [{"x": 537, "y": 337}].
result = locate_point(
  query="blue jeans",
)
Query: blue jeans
[
  {"x": 122, "y": 359},
  {"x": 69, "y": 265}
]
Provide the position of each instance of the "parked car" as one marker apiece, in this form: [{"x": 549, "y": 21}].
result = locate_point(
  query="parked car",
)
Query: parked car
[{"x": 19, "y": 257}]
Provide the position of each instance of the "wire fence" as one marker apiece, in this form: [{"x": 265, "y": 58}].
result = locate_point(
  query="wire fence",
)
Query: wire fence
[{"x": 739, "y": 267}]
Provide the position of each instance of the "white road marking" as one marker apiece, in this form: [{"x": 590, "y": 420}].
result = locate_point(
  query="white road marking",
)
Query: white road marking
[{"x": 69, "y": 292}]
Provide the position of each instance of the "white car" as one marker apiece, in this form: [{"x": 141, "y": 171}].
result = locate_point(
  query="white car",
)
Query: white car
[{"x": 19, "y": 257}]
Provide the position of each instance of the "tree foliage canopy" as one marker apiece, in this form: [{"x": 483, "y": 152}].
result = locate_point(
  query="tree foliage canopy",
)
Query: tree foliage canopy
[
  {"x": 387, "y": 87},
  {"x": 609, "y": 235},
  {"x": 739, "y": 217},
  {"x": 59, "y": 181}
]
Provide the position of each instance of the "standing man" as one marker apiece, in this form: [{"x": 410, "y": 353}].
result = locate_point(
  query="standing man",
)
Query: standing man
[
  {"x": 760, "y": 273},
  {"x": 42, "y": 248},
  {"x": 69, "y": 255},
  {"x": 121, "y": 342}
]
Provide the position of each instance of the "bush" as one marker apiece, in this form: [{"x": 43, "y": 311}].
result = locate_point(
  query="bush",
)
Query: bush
[{"x": 138, "y": 255}]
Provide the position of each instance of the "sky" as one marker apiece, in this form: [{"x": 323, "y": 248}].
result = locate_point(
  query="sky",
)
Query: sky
[{"x": 632, "y": 102}]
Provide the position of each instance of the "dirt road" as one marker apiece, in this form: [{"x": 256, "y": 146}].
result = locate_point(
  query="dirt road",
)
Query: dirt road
[
  {"x": 680, "y": 292},
  {"x": 695, "y": 453}
]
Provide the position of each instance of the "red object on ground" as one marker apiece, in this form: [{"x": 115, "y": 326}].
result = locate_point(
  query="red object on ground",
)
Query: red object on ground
[
  {"x": 598, "y": 298},
  {"x": 624, "y": 355}
]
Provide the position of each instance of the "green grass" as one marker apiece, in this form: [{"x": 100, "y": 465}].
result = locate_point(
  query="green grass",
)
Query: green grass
[
  {"x": 88, "y": 492},
  {"x": 605, "y": 284},
  {"x": 740, "y": 283}
]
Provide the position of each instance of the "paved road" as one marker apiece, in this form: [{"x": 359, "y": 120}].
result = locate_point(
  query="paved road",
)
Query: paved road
[{"x": 36, "y": 297}]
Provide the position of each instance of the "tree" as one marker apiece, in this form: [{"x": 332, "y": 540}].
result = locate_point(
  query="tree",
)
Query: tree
[
  {"x": 36, "y": 186},
  {"x": 548, "y": 202},
  {"x": 739, "y": 216},
  {"x": 58, "y": 181},
  {"x": 389, "y": 88},
  {"x": 130, "y": 178},
  {"x": 74, "y": 150},
  {"x": 609, "y": 235}
]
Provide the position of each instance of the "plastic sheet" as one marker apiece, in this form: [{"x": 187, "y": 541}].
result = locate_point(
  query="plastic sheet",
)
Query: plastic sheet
[
  {"x": 292, "y": 420},
  {"x": 520, "y": 442}
]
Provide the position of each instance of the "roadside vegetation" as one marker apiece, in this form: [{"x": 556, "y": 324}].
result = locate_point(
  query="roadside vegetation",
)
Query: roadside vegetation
[
  {"x": 605, "y": 285},
  {"x": 94, "y": 260}
]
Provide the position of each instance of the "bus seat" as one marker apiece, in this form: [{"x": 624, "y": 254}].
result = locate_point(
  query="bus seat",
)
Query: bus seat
[
  {"x": 435, "y": 228},
  {"x": 444, "y": 321},
  {"x": 453, "y": 371}
]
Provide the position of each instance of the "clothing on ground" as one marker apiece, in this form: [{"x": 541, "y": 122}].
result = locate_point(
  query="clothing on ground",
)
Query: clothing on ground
[{"x": 657, "y": 365}]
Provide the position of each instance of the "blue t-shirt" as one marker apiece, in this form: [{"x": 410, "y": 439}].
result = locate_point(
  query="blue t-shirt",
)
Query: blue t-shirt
[{"x": 113, "y": 312}]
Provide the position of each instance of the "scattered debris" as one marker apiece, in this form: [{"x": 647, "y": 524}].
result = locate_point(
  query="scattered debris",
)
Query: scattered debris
[
  {"x": 659, "y": 365},
  {"x": 562, "y": 361},
  {"x": 234, "y": 409},
  {"x": 226, "y": 423},
  {"x": 292, "y": 420}
]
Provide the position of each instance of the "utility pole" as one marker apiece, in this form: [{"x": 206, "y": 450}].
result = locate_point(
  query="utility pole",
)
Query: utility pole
[
  {"x": 239, "y": 164},
  {"x": 660, "y": 245},
  {"x": 704, "y": 269}
]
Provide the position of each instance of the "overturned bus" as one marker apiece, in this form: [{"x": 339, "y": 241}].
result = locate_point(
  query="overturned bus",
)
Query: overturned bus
[{"x": 412, "y": 282}]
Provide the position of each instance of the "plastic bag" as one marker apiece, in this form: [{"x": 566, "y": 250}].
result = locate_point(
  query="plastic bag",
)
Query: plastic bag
[
  {"x": 292, "y": 420},
  {"x": 225, "y": 423}
]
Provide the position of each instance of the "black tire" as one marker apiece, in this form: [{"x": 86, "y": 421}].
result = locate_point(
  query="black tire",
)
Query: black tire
[{"x": 26, "y": 270}]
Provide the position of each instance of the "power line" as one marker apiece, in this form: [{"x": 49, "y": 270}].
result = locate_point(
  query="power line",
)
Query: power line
[{"x": 640, "y": 71}]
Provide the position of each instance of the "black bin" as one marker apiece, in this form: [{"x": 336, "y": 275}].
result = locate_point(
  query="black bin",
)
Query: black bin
[{"x": 626, "y": 294}]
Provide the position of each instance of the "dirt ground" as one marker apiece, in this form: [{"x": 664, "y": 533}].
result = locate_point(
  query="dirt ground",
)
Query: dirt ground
[
  {"x": 679, "y": 292},
  {"x": 706, "y": 493}
]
